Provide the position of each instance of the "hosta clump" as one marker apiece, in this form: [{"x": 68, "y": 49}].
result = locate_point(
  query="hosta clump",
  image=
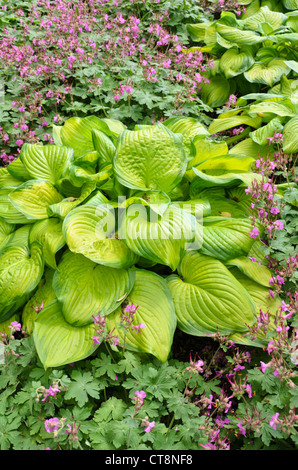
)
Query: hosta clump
[{"x": 156, "y": 217}]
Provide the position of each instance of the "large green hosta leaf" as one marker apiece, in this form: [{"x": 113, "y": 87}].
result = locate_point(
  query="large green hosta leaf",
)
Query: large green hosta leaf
[
  {"x": 226, "y": 238},
  {"x": 216, "y": 92},
  {"x": 189, "y": 127},
  {"x": 205, "y": 150},
  {"x": 90, "y": 230},
  {"x": 208, "y": 299},
  {"x": 238, "y": 36},
  {"x": 222, "y": 124},
  {"x": 160, "y": 239},
  {"x": 104, "y": 146},
  {"x": 261, "y": 135},
  {"x": 48, "y": 233},
  {"x": 46, "y": 162},
  {"x": 234, "y": 62},
  {"x": 20, "y": 273},
  {"x": 85, "y": 288},
  {"x": 225, "y": 179},
  {"x": 33, "y": 198},
  {"x": 150, "y": 159},
  {"x": 156, "y": 311},
  {"x": 258, "y": 272},
  {"x": 8, "y": 211},
  {"x": 265, "y": 15},
  {"x": 57, "y": 342}
]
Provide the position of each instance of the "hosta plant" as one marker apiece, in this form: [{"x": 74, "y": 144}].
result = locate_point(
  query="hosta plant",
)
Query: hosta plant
[
  {"x": 156, "y": 218},
  {"x": 251, "y": 54}
]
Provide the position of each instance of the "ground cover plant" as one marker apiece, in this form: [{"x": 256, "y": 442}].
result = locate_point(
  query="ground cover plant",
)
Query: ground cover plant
[{"x": 148, "y": 226}]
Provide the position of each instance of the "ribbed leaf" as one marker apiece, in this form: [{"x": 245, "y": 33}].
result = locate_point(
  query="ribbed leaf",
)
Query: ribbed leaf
[
  {"x": 6, "y": 231},
  {"x": 34, "y": 197},
  {"x": 156, "y": 311},
  {"x": 61, "y": 209},
  {"x": 274, "y": 18},
  {"x": 57, "y": 342},
  {"x": 290, "y": 141},
  {"x": 48, "y": 233},
  {"x": 258, "y": 272},
  {"x": 150, "y": 159},
  {"x": 89, "y": 230},
  {"x": 85, "y": 288},
  {"x": 261, "y": 135},
  {"x": 219, "y": 125},
  {"x": 205, "y": 149},
  {"x": 268, "y": 74},
  {"x": 46, "y": 162},
  {"x": 234, "y": 62},
  {"x": 208, "y": 298},
  {"x": 20, "y": 273},
  {"x": 160, "y": 239},
  {"x": 216, "y": 92},
  {"x": 226, "y": 238},
  {"x": 227, "y": 180}
]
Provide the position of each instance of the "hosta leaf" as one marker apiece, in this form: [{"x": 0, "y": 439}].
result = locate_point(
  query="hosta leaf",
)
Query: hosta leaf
[
  {"x": 226, "y": 238},
  {"x": 77, "y": 132},
  {"x": 258, "y": 272},
  {"x": 226, "y": 163},
  {"x": 57, "y": 342},
  {"x": 104, "y": 146},
  {"x": 290, "y": 140},
  {"x": 158, "y": 201},
  {"x": 41, "y": 298},
  {"x": 20, "y": 273},
  {"x": 216, "y": 93},
  {"x": 89, "y": 230},
  {"x": 61, "y": 209},
  {"x": 156, "y": 311},
  {"x": 274, "y": 18},
  {"x": 9, "y": 212},
  {"x": 234, "y": 62},
  {"x": 151, "y": 158},
  {"x": 48, "y": 233},
  {"x": 160, "y": 239},
  {"x": 7, "y": 181},
  {"x": 237, "y": 36},
  {"x": 46, "y": 162},
  {"x": 85, "y": 288},
  {"x": 6, "y": 231},
  {"x": 228, "y": 180},
  {"x": 282, "y": 108},
  {"x": 207, "y": 298},
  {"x": 248, "y": 147},
  {"x": 268, "y": 74},
  {"x": 34, "y": 197},
  {"x": 219, "y": 125},
  {"x": 290, "y": 4},
  {"x": 261, "y": 135},
  {"x": 18, "y": 170},
  {"x": 205, "y": 149},
  {"x": 79, "y": 176}
]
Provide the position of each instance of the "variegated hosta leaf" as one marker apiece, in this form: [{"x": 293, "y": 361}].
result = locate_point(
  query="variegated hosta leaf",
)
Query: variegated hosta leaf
[
  {"x": 90, "y": 230},
  {"x": 17, "y": 170},
  {"x": 150, "y": 159},
  {"x": 189, "y": 127},
  {"x": 155, "y": 310},
  {"x": 265, "y": 303},
  {"x": 226, "y": 238},
  {"x": 157, "y": 201},
  {"x": 104, "y": 146},
  {"x": 41, "y": 298},
  {"x": 290, "y": 140},
  {"x": 238, "y": 36},
  {"x": 48, "y": 233},
  {"x": 57, "y": 342},
  {"x": 7, "y": 180},
  {"x": 20, "y": 273},
  {"x": 77, "y": 132},
  {"x": 227, "y": 180},
  {"x": 34, "y": 197},
  {"x": 85, "y": 288},
  {"x": 222, "y": 124},
  {"x": 46, "y": 162},
  {"x": 9, "y": 212},
  {"x": 208, "y": 299},
  {"x": 205, "y": 150},
  {"x": 268, "y": 74},
  {"x": 160, "y": 239},
  {"x": 262, "y": 134},
  {"x": 252, "y": 269},
  {"x": 264, "y": 15},
  {"x": 6, "y": 231},
  {"x": 234, "y": 62},
  {"x": 61, "y": 209},
  {"x": 216, "y": 93}
]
